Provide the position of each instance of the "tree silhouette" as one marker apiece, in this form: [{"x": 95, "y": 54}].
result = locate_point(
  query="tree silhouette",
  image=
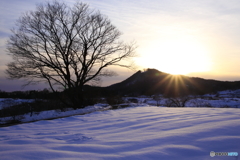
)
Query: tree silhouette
[{"x": 65, "y": 46}]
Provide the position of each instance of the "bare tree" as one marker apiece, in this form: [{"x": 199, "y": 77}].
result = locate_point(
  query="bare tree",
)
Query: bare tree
[
  {"x": 65, "y": 46},
  {"x": 158, "y": 99},
  {"x": 177, "y": 102}
]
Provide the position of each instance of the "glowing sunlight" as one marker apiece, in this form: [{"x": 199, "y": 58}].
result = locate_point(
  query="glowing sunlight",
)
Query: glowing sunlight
[{"x": 179, "y": 56}]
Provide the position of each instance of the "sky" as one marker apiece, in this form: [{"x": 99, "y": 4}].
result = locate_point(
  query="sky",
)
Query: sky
[{"x": 197, "y": 38}]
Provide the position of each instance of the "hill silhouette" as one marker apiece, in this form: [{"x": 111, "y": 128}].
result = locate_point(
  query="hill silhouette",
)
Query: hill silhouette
[
  {"x": 152, "y": 82},
  {"x": 149, "y": 82}
]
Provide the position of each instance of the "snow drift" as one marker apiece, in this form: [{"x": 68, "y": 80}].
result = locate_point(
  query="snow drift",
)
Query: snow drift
[{"x": 145, "y": 132}]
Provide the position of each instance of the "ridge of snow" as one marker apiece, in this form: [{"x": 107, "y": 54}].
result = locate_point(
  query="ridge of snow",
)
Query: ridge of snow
[{"x": 55, "y": 113}]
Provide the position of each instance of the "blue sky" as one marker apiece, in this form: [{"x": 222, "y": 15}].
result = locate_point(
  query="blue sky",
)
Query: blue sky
[{"x": 196, "y": 38}]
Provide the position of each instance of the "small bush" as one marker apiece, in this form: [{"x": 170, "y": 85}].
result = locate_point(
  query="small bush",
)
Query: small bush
[
  {"x": 113, "y": 100},
  {"x": 91, "y": 101},
  {"x": 177, "y": 102},
  {"x": 36, "y": 106},
  {"x": 158, "y": 99},
  {"x": 133, "y": 100},
  {"x": 169, "y": 103},
  {"x": 225, "y": 106},
  {"x": 200, "y": 103}
]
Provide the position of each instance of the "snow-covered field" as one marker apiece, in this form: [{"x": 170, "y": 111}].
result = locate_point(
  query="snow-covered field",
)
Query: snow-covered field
[
  {"x": 145, "y": 132},
  {"x": 6, "y": 102},
  {"x": 55, "y": 114},
  {"x": 207, "y": 101}
]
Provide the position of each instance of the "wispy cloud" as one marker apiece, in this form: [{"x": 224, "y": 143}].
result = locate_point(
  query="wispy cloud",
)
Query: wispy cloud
[{"x": 214, "y": 24}]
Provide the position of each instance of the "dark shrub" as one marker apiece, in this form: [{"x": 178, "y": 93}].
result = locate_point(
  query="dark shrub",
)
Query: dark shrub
[
  {"x": 113, "y": 100},
  {"x": 133, "y": 100}
]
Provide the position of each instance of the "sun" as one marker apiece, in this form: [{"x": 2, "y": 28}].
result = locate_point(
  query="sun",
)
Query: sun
[{"x": 180, "y": 56}]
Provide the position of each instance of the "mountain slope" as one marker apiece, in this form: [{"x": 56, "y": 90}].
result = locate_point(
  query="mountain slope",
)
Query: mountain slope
[{"x": 153, "y": 81}]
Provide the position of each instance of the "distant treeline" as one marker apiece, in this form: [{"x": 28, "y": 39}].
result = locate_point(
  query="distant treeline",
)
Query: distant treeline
[
  {"x": 89, "y": 92},
  {"x": 32, "y": 94}
]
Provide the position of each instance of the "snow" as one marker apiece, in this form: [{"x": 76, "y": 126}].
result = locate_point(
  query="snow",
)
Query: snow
[
  {"x": 215, "y": 102},
  {"x": 145, "y": 132},
  {"x": 227, "y": 93},
  {"x": 7, "y": 102},
  {"x": 223, "y": 99},
  {"x": 141, "y": 131},
  {"x": 55, "y": 114},
  {"x": 218, "y": 102}
]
